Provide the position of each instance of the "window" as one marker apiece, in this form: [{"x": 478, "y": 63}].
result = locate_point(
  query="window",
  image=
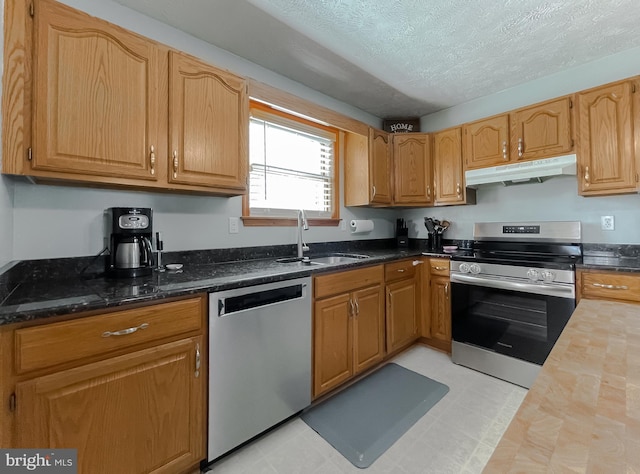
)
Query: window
[{"x": 292, "y": 165}]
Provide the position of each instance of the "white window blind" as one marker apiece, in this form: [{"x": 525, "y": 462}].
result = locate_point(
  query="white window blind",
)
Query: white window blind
[{"x": 291, "y": 167}]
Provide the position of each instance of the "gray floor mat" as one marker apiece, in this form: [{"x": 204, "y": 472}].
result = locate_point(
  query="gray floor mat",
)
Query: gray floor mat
[{"x": 364, "y": 420}]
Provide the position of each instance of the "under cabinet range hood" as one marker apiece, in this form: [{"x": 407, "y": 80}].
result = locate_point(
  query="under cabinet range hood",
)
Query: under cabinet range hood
[{"x": 525, "y": 172}]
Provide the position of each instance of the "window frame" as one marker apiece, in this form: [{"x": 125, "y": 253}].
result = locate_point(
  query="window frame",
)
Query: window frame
[{"x": 262, "y": 220}]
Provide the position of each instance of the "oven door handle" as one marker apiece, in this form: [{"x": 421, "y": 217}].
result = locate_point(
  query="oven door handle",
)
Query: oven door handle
[{"x": 567, "y": 291}]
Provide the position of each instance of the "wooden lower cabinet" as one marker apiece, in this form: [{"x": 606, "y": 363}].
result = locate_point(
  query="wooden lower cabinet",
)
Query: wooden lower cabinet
[
  {"x": 441, "y": 310},
  {"x": 403, "y": 302},
  {"x": 140, "y": 412},
  {"x": 348, "y": 327},
  {"x": 139, "y": 408},
  {"x": 436, "y": 309},
  {"x": 603, "y": 285},
  {"x": 333, "y": 343}
]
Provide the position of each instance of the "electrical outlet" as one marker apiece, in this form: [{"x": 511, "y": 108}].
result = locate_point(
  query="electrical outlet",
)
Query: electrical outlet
[
  {"x": 234, "y": 224},
  {"x": 607, "y": 223},
  {"x": 343, "y": 225}
]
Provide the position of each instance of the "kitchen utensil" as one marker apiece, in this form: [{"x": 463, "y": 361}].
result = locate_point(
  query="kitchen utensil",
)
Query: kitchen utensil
[
  {"x": 428, "y": 223},
  {"x": 445, "y": 225}
]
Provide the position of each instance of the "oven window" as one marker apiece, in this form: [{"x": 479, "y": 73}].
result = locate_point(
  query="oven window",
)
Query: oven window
[
  {"x": 513, "y": 323},
  {"x": 524, "y": 316}
]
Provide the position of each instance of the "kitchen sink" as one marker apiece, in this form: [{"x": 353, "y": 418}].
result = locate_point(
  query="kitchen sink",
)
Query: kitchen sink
[{"x": 331, "y": 259}]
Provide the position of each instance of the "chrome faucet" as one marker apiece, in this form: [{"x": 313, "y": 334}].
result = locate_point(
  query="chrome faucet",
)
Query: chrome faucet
[{"x": 303, "y": 224}]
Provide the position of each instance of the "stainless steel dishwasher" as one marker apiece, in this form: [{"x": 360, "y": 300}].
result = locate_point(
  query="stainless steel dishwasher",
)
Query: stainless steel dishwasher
[{"x": 259, "y": 360}]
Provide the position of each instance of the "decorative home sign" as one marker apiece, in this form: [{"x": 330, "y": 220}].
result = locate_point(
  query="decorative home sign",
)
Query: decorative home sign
[{"x": 401, "y": 125}]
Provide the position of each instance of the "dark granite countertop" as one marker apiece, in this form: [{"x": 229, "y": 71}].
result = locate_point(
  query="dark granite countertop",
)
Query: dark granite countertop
[
  {"x": 33, "y": 293},
  {"x": 616, "y": 264}
]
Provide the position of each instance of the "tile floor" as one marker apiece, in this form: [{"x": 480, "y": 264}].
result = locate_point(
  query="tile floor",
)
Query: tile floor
[{"x": 457, "y": 435}]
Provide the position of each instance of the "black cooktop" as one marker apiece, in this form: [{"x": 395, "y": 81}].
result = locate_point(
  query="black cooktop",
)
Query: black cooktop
[{"x": 526, "y": 254}]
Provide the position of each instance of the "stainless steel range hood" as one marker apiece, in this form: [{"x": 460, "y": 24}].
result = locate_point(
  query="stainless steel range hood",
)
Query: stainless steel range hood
[{"x": 525, "y": 172}]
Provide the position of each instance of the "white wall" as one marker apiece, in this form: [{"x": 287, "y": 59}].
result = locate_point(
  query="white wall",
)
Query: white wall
[
  {"x": 57, "y": 221},
  {"x": 38, "y": 221},
  {"x": 556, "y": 199},
  {"x": 608, "y": 69},
  {"x": 6, "y": 192},
  {"x": 553, "y": 200}
]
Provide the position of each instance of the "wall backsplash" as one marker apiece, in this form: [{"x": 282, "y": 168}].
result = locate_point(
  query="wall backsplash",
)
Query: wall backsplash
[
  {"x": 60, "y": 221},
  {"x": 553, "y": 200}
]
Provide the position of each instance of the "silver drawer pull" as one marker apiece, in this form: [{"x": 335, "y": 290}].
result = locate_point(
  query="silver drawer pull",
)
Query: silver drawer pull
[
  {"x": 611, "y": 287},
  {"x": 439, "y": 268},
  {"x": 197, "y": 373},
  {"x": 400, "y": 270},
  {"x": 124, "y": 332}
]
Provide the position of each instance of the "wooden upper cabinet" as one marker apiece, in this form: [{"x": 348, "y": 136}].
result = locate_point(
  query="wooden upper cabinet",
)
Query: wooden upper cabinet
[
  {"x": 367, "y": 169},
  {"x": 380, "y": 149},
  {"x": 208, "y": 125},
  {"x": 608, "y": 127},
  {"x": 486, "y": 142},
  {"x": 412, "y": 169},
  {"x": 542, "y": 130},
  {"x": 448, "y": 171},
  {"x": 95, "y": 96}
]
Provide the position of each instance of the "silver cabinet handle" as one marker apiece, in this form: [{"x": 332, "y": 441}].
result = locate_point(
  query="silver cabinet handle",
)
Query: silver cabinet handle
[
  {"x": 415, "y": 263},
  {"x": 175, "y": 163},
  {"x": 429, "y": 193},
  {"x": 152, "y": 160},
  {"x": 504, "y": 151},
  {"x": 357, "y": 308},
  {"x": 610, "y": 287},
  {"x": 458, "y": 190},
  {"x": 587, "y": 178},
  {"x": 124, "y": 332},
  {"x": 373, "y": 189},
  {"x": 446, "y": 290},
  {"x": 520, "y": 147},
  {"x": 439, "y": 268},
  {"x": 353, "y": 308},
  {"x": 197, "y": 374},
  {"x": 400, "y": 270}
]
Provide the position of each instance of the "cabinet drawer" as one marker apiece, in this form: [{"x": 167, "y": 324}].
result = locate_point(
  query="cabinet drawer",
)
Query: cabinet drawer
[
  {"x": 327, "y": 285},
  {"x": 399, "y": 270},
  {"x": 439, "y": 266},
  {"x": 613, "y": 286},
  {"x": 52, "y": 344}
]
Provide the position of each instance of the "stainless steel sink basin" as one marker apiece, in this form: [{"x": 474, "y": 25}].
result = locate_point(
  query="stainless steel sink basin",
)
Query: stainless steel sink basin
[{"x": 331, "y": 259}]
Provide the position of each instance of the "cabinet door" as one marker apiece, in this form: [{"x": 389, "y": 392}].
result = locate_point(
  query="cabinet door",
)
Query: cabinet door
[
  {"x": 402, "y": 326},
  {"x": 209, "y": 124},
  {"x": 447, "y": 158},
  {"x": 96, "y": 96},
  {"x": 368, "y": 327},
  {"x": 606, "y": 146},
  {"x": 412, "y": 169},
  {"x": 486, "y": 142},
  {"x": 140, "y": 412},
  {"x": 440, "y": 309},
  {"x": 380, "y": 166},
  {"x": 542, "y": 131},
  {"x": 332, "y": 345}
]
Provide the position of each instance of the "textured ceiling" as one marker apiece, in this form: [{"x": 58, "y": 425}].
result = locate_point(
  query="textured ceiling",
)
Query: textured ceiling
[{"x": 402, "y": 58}]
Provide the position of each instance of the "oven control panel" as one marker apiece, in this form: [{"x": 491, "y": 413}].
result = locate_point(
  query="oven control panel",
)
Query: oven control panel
[{"x": 520, "y": 229}]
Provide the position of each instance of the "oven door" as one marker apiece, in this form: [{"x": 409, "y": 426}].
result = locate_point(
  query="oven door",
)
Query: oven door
[{"x": 512, "y": 318}]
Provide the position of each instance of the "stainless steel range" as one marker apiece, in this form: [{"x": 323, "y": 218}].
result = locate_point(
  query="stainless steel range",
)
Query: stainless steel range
[{"x": 512, "y": 296}]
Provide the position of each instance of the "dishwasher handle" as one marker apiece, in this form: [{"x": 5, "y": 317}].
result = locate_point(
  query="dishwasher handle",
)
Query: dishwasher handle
[{"x": 259, "y": 298}]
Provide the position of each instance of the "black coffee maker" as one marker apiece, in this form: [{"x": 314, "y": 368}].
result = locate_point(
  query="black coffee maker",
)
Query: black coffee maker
[{"x": 129, "y": 230}]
